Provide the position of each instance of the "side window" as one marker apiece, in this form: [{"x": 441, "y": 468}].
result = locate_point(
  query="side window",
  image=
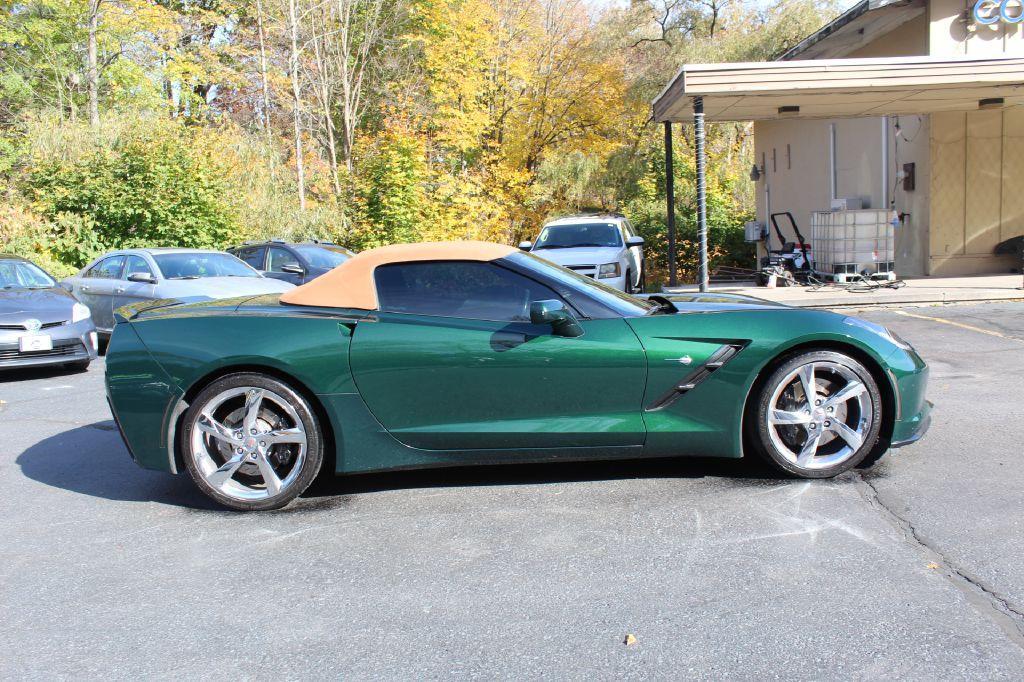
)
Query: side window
[
  {"x": 137, "y": 265},
  {"x": 279, "y": 258},
  {"x": 253, "y": 256},
  {"x": 108, "y": 268},
  {"x": 467, "y": 289},
  {"x": 628, "y": 229}
]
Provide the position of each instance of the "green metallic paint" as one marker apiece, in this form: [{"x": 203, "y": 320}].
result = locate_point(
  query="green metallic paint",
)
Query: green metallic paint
[
  {"x": 404, "y": 391},
  {"x": 452, "y": 384}
]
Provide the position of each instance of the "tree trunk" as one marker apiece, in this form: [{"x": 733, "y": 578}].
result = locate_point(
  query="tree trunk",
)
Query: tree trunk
[
  {"x": 293, "y": 67},
  {"x": 263, "y": 68},
  {"x": 92, "y": 67},
  {"x": 324, "y": 93}
]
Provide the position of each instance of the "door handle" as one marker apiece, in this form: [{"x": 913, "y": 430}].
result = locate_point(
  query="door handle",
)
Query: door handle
[
  {"x": 507, "y": 340},
  {"x": 119, "y": 290},
  {"x": 84, "y": 288}
]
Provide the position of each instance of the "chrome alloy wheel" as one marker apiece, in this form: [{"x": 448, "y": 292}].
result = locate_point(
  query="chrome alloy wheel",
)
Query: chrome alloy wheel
[
  {"x": 819, "y": 415},
  {"x": 248, "y": 443}
]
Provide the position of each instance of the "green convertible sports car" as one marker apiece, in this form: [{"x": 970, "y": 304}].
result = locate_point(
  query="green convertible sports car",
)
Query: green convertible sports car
[{"x": 473, "y": 353}]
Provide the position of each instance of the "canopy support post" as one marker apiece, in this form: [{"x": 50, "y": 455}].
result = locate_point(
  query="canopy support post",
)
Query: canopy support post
[
  {"x": 670, "y": 199},
  {"x": 702, "y": 209}
]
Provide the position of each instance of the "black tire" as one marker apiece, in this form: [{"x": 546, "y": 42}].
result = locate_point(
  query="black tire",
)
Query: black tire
[
  {"x": 628, "y": 288},
  {"x": 643, "y": 280},
  {"x": 304, "y": 416},
  {"x": 778, "y": 442}
]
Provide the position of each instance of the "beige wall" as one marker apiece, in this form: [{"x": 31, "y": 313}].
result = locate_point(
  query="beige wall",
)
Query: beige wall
[
  {"x": 976, "y": 189},
  {"x": 976, "y": 192},
  {"x": 969, "y": 194},
  {"x": 912, "y": 235},
  {"x": 908, "y": 40},
  {"x": 804, "y": 186}
]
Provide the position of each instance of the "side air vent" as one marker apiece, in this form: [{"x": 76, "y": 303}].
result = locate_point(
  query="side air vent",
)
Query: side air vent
[{"x": 694, "y": 378}]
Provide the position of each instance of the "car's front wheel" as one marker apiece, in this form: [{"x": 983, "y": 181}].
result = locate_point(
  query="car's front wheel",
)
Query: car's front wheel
[
  {"x": 251, "y": 442},
  {"x": 818, "y": 415}
]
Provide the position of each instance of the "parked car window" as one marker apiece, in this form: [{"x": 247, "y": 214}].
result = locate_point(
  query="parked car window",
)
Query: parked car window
[
  {"x": 321, "y": 256},
  {"x": 583, "y": 234},
  {"x": 472, "y": 290},
  {"x": 609, "y": 298},
  {"x": 196, "y": 265},
  {"x": 253, "y": 256},
  {"x": 108, "y": 268},
  {"x": 137, "y": 265},
  {"x": 279, "y": 258},
  {"x": 19, "y": 274}
]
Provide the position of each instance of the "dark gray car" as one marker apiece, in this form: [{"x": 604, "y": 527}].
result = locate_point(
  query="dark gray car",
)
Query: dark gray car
[
  {"x": 41, "y": 323},
  {"x": 295, "y": 263},
  {"x": 128, "y": 276}
]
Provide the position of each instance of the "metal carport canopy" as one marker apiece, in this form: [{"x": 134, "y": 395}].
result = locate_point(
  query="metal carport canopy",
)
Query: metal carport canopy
[{"x": 840, "y": 88}]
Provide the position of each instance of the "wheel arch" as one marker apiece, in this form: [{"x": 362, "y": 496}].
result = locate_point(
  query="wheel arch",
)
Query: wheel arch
[
  {"x": 878, "y": 373},
  {"x": 330, "y": 452}
]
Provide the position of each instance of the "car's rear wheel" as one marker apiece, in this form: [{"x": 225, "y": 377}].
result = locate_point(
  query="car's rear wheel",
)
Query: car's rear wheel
[
  {"x": 251, "y": 442},
  {"x": 818, "y": 414}
]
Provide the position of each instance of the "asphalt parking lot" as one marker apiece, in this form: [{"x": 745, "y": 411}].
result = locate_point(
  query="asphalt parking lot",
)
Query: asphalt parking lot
[{"x": 912, "y": 569}]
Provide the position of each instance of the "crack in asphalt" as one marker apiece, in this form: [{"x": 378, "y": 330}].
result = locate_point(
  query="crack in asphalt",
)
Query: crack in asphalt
[{"x": 985, "y": 600}]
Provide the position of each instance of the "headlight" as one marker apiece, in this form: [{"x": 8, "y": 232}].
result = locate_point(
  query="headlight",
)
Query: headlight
[
  {"x": 79, "y": 312},
  {"x": 608, "y": 270},
  {"x": 885, "y": 333}
]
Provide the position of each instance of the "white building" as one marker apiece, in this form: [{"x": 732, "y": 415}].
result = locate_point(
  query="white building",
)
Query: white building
[{"x": 933, "y": 83}]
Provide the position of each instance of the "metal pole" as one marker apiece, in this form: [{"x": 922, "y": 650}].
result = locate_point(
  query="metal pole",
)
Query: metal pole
[
  {"x": 702, "y": 208},
  {"x": 670, "y": 199}
]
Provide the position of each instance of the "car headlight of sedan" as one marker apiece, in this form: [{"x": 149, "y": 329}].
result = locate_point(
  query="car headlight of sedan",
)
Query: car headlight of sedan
[
  {"x": 884, "y": 332},
  {"x": 79, "y": 312},
  {"x": 608, "y": 270}
]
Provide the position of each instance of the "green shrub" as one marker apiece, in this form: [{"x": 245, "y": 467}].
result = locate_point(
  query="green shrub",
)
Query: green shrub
[{"x": 155, "y": 185}]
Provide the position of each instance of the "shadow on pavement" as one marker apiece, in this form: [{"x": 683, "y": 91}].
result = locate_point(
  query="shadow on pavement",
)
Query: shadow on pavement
[
  {"x": 10, "y": 375},
  {"x": 538, "y": 474},
  {"x": 92, "y": 460}
]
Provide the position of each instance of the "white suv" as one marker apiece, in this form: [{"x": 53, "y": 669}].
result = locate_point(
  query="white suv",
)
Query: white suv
[{"x": 604, "y": 247}]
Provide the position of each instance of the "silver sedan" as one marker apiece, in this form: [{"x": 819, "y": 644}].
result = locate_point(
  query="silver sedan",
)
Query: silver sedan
[
  {"x": 41, "y": 323},
  {"x": 128, "y": 276}
]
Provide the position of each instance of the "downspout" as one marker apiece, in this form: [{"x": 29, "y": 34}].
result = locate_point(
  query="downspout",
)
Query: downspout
[
  {"x": 885, "y": 162},
  {"x": 832, "y": 180}
]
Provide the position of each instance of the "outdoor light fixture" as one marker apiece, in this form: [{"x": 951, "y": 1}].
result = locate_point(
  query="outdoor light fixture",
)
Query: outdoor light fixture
[
  {"x": 789, "y": 110},
  {"x": 756, "y": 172},
  {"x": 991, "y": 103}
]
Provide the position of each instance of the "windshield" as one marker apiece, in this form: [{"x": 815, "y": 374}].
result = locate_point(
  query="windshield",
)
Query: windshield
[
  {"x": 582, "y": 234},
  {"x": 19, "y": 274},
  {"x": 195, "y": 265},
  {"x": 323, "y": 256},
  {"x": 619, "y": 302}
]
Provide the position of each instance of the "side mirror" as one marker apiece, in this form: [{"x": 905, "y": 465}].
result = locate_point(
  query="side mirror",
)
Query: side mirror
[
  {"x": 525, "y": 246},
  {"x": 293, "y": 269},
  {"x": 635, "y": 241},
  {"x": 142, "y": 278},
  {"x": 554, "y": 313}
]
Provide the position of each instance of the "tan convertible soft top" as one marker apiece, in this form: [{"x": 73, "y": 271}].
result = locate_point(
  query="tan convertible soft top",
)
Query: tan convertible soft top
[{"x": 351, "y": 285}]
